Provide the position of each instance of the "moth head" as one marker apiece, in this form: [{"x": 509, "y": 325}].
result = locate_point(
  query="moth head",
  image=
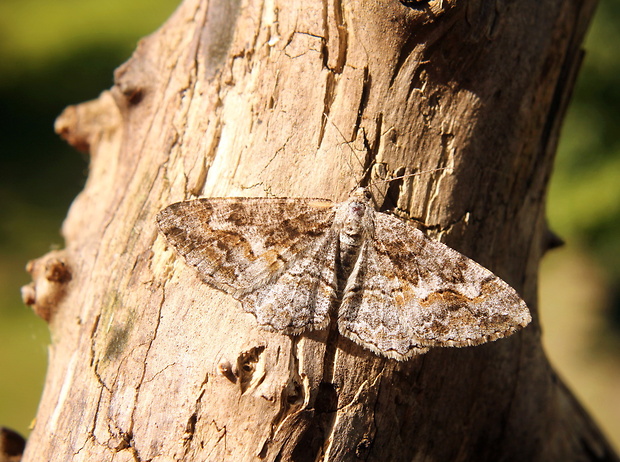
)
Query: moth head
[
  {"x": 361, "y": 195},
  {"x": 355, "y": 216},
  {"x": 360, "y": 204}
]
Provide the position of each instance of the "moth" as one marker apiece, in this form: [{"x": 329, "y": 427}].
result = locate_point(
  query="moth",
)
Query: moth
[{"x": 298, "y": 264}]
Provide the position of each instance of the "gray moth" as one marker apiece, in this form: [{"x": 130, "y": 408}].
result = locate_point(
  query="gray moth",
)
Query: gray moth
[{"x": 298, "y": 264}]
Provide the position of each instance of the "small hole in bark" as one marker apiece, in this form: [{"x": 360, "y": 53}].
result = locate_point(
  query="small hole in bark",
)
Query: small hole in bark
[
  {"x": 363, "y": 447},
  {"x": 56, "y": 270},
  {"x": 295, "y": 394},
  {"x": 133, "y": 94},
  {"x": 246, "y": 366}
]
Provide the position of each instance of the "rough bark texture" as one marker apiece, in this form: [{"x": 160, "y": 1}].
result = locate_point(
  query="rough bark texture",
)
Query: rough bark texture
[{"x": 228, "y": 99}]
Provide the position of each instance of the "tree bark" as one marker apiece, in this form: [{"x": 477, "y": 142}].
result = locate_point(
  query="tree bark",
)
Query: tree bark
[{"x": 296, "y": 99}]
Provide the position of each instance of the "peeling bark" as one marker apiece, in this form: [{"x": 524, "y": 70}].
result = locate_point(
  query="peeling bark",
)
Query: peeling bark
[{"x": 261, "y": 98}]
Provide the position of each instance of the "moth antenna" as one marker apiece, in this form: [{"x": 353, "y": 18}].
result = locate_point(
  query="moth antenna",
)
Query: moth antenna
[
  {"x": 390, "y": 198},
  {"x": 367, "y": 169},
  {"x": 401, "y": 177},
  {"x": 344, "y": 139}
]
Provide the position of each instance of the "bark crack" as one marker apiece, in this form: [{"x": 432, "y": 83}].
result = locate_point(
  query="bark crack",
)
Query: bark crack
[{"x": 343, "y": 37}]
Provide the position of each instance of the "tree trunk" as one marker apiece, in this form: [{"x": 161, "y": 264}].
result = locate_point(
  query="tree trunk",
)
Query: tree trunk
[{"x": 256, "y": 98}]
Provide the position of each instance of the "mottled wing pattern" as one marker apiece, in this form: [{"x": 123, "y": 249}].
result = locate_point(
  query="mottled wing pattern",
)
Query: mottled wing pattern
[
  {"x": 409, "y": 292},
  {"x": 276, "y": 256}
]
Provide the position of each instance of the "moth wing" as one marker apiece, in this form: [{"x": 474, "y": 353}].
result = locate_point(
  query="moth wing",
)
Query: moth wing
[
  {"x": 276, "y": 256},
  {"x": 409, "y": 292}
]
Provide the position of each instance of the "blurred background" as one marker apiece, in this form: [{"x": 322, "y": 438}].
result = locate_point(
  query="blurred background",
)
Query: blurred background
[{"x": 53, "y": 54}]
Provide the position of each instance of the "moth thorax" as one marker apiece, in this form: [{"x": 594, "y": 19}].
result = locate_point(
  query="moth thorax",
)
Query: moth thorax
[{"x": 353, "y": 229}]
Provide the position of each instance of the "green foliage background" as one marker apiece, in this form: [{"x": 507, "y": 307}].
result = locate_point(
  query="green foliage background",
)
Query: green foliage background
[
  {"x": 53, "y": 54},
  {"x": 584, "y": 200}
]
